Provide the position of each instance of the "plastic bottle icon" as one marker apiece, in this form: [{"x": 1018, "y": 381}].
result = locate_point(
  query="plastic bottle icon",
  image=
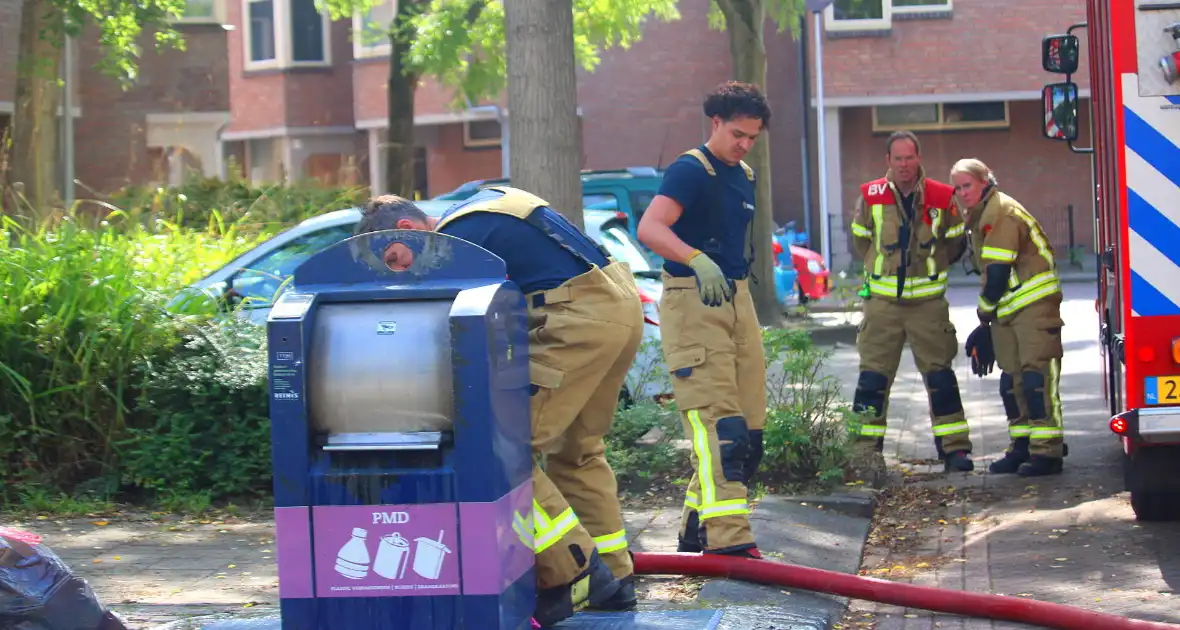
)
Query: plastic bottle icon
[
  {"x": 393, "y": 556},
  {"x": 353, "y": 560},
  {"x": 429, "y": 556}
]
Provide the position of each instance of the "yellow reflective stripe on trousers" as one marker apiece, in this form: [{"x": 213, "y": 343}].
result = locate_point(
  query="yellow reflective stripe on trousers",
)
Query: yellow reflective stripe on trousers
[
  {"x": 878, "y": 212},
  {"x": 1018, "y": 430},
  {"x": 551, "y": 532},
  {"x": 1037, "y": 287},
  {"x": 872, "y": 430},
  {"x": 616, "y": 541},
  {"x": 997, "y": 254},
  {"x": 950, "y": 428},
  {"x": 1056, "y": 430},
  {"x": 861, "y": 231},
  {"x": 921, "y": 286},
  {"x": 709, "y": 507}
]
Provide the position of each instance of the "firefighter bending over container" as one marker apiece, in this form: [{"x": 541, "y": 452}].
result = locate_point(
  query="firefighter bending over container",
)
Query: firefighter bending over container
[
  {"x": 1020, "y": 317},
  {"x": 585, "y": 326},
  {"x": 710, "y": 334},
  {"x": 909, "y": 232}
]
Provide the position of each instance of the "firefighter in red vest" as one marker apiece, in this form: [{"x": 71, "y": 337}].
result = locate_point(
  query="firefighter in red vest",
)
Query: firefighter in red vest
[{"x": 909, "y": 232}]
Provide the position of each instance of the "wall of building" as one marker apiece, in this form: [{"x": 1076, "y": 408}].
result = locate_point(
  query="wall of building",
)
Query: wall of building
[
  {"x": 1044, "y": 175},
  {"x": 983, "y": 46},
  {"x": 111, "y": 136}
]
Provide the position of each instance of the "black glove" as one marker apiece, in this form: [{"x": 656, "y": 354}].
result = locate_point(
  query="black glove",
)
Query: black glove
[
  {"x": 753, "y": 457},
  {"x": 979, "y": 347}
]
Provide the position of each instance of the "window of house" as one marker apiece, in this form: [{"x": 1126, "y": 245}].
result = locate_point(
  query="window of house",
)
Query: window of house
[
  {"x": 286, "y": 33},
  {"x": 481, "y": 133},
  {"x": 262, "y": 30},
  {"x": 871, "y": 15},
  {"x": 941, "y": 116},
  {"x": 370, "y": 32},
  {"x": 199, "y": 11}
]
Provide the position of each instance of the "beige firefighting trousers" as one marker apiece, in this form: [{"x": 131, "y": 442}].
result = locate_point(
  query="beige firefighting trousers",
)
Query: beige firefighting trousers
[
  {"x": 582, "y": 342},
  {"x": 926, "y": 325},
  {"x": 718, "y": 369},
  {"x": 1029, "y": 351}
]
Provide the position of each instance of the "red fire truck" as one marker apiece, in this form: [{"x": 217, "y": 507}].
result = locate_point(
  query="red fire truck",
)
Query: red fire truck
[{"x": 1134, "y": 54}]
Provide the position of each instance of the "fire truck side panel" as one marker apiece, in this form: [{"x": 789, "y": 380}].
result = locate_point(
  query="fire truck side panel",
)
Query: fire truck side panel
[{"x": 1106, "y": 203}]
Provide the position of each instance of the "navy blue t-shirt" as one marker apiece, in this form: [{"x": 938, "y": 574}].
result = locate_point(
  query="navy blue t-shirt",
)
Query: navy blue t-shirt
[
  {"x": 717, "y": 212},
  {"x": 535, "y": 261}
]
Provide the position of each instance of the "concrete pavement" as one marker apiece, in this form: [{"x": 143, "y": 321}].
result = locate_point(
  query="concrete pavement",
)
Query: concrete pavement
[{"x": 1070, "y": 539}]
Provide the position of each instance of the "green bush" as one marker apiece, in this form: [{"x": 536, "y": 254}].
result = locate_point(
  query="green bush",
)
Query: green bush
[
  {"x": 809, "y": 428},
  {"x": 85, "y": 329},
  {"x": 208, "y": 414}
]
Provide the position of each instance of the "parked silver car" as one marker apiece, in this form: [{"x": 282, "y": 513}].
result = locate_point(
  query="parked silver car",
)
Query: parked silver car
[{"x": 260, "y": 275}]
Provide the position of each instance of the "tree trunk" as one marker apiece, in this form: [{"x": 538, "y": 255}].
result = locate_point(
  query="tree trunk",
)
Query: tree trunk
[
  {"x": 399, "y": 146},
  {"x": 35, "y": 120},
  {"x": 745, "y": 20},
  {"x": 544, "y": 134}
]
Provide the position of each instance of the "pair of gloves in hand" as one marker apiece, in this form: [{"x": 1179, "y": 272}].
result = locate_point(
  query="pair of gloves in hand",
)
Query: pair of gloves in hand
[{"x": 714, "y": 287}]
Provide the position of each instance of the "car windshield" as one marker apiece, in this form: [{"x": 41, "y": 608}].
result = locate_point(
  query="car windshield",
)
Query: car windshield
[{"x": 623, "y": 248}]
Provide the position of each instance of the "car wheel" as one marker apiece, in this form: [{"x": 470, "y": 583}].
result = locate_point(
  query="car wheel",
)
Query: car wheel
[
  {"x": 803, "y": 297},
  {"x": 1156, "y": 506}
]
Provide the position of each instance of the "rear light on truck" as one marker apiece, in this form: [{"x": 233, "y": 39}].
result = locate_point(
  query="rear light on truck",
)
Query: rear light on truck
[
  {"x": 1118, "y": 425},
  {"x": 1176, "y": 350}
]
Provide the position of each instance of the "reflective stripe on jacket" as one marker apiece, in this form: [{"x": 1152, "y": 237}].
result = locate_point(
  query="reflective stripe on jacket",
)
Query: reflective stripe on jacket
[{"x": 1003, "y": 232}]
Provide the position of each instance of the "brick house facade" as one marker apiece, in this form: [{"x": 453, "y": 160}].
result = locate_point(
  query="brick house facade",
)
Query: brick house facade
[
  {"x": 289, "y": 94},
  {"x": 965, "y": 75}
]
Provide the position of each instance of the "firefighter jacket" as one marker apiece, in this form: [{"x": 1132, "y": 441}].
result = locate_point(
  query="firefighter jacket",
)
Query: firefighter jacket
[
  {"x": 534, "y": 210},
  {"x": 906, "y": 257},
  {"x": 1003, "y": 232}
]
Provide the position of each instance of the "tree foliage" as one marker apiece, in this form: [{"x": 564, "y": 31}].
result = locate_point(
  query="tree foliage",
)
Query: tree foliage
[
  {"x": 470, "y": 56},
  {"x": 120, "y": 24}
]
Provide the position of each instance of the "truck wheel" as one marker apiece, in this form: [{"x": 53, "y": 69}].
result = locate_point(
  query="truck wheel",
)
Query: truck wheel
[
  {"x": 625, "y": 400},
  {"x": 1156, "y": 506},
  {"x": 803, "y": 297}
]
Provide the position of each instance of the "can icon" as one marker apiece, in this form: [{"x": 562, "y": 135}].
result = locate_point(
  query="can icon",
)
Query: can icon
[
  {"x": 429, "y": 556},
  {"x": 392, "y": 557}
]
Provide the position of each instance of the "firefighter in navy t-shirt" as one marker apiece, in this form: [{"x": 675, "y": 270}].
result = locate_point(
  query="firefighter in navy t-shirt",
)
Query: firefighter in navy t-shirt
[{"x": 699, "y": 223}]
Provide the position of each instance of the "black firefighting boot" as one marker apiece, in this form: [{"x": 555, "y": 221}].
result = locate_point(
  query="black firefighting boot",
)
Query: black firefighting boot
[
  {"x": 1039, "y": 465},
  {"x": 1015, "y": 456},
  {"x": 591, "y": 588},
  {"x": 689, "y": 540},
  {"x": 957, "y": 461},
  {"x": 743, "y": 552},
  {"x": 624, "y": 598}
]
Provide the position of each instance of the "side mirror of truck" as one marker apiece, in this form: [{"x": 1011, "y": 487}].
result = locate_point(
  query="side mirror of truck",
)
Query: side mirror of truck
[
  {"x": 1061, "y": 111},
  {"x": 1059, "y": 54}
]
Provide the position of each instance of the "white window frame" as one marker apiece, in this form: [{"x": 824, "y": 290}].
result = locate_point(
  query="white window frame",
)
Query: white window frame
[
  {"x": 218, "y": 16},
  {"x": 479, "y": 143},
  {"x": 924, "y": 8},
  {"x": 284, "y": 50},
  {"x": 885, "y": 22},
  {"x": 881, "y": 24},
  {"x": 359, "y": 49},
  {"x": 942, "y": 125}
]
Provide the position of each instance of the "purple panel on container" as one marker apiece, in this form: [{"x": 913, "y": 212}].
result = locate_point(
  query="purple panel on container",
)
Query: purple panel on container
[
  {"x": 497, "y": 541},
  {"x": 386, "y": 550},
  {"x": 293, "y": 542}
]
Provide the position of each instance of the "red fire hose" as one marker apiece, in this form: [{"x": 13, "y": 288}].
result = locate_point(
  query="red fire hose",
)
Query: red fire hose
[{"x": 999, "y": 607}]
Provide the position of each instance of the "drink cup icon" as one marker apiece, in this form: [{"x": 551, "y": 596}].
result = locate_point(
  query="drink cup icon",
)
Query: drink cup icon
[
  {"x": 393, "y": 554},
  {"x": 353, "y": 560},
  {"x": 429, "y": 556}
]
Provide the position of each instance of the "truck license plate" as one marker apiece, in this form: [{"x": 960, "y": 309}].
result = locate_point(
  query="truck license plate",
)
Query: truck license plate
[{"x": 1162, "y": 390}]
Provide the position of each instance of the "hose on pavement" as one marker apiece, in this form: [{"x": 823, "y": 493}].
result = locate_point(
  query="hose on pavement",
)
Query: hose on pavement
[{"x": 999, "y": 607}]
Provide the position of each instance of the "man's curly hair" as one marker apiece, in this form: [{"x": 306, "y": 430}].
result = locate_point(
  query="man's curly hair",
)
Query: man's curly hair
[
  {"x": 734, "y": 99},
  {"x": 383, "y": 213}
]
